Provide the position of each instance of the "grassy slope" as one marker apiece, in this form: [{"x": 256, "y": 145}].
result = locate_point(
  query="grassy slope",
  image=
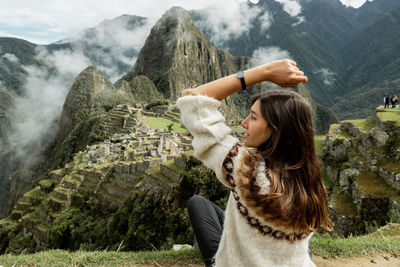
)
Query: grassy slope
[{"x": 386, "y": 239}]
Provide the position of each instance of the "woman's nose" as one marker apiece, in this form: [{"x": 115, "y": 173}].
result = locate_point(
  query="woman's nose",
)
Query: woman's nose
[{"x": 244, "y": 123}]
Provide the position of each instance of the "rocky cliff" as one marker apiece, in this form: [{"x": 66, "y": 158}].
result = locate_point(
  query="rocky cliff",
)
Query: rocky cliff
[{"x": 362, "y": 166}]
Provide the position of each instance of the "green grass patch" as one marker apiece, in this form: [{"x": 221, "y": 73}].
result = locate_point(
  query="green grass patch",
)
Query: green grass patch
[
  {"x": 386, "y": 239},
  {"x": 371, "y": 185},
  {"x": 329, "y": 246},
  {"x": 389, "y": 115},
  {"x": 364, "y": 124},
  {"x": 318, "y": 142},
  {"x": 391, "y": 165},
  {"x": 333, "y": 132},
  {"x": 61, "y": 258},
  {"x": 162, "y": 124},
  {"x": 343, "y": 204}
]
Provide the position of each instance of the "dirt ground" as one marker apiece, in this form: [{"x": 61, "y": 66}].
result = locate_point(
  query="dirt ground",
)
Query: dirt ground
[{"x": 379, "y": 260}]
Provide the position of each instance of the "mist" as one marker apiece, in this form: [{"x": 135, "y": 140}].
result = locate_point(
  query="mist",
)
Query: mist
[
  {"x": 112, "y": 46},
  {"x": 235, "y": 20}
]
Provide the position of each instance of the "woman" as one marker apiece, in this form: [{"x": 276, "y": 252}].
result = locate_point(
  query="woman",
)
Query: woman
[{"x": 277, "y": 198}]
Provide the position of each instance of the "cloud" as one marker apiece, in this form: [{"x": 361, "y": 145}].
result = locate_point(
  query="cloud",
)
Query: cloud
[
  {"x": 114, "y": 44},
  {"x": 11, "y": 57},
  {"x": 292, "y": 7},
  {"x": 354, "y": 3},
  {"x": 264, "y": 55},
  {"x": 224, "y": 22},
  {"x": 66, "y": 18},
  {"x": 44, "y": 95},
  {"x": 111, "y": 44},
  {"x": 327, "y": 76}
]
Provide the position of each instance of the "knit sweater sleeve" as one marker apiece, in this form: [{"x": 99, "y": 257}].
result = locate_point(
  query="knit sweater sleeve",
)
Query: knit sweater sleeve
[{"x": 212, "y": 139}]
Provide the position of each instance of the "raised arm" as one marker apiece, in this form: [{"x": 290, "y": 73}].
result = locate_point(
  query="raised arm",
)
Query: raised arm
[{"x": 282, "y": 72}]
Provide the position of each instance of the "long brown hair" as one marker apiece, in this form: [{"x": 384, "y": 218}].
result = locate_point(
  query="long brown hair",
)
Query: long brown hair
[{"x": 297, "y": 194}]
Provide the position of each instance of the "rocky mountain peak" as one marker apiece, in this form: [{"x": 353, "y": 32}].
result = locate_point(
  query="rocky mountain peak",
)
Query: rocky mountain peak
[{"x": 177, "y": 55}]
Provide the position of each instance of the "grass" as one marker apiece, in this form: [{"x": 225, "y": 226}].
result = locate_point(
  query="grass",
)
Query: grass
[
  {"x": 318, "y": 142},
  {"x": 329, "y": 246},
  {"x": 61, "y": 258},
  {"x": 344, "y": 205},
  {"x": 162, "y": 124},
  {"x": 364, "y": 124},
  {"x": 386, "y": 239},
  {"x": 391, "y": 165},
  {"x": 371, "y": 185},
  {"x": 342, "y": 134},
  {"x": 389, "y": 115}
]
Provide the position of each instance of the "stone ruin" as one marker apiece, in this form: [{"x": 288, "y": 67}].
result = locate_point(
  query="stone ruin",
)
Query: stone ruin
[{"x": 361, "y": 164}]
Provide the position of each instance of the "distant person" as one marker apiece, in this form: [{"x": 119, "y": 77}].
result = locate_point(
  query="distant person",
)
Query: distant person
[
  {"x": 394, "y": 100},
  {"x": 277, "y": 198},
  {"x": 386, "y": 101}
]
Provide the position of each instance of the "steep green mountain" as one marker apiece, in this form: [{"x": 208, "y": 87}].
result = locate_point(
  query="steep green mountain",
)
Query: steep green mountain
[
  {"x": 7, "y": 103},
  {"x": 331, "y": 21},
  {"x": 372, "y": 65},
  {"x": 14, "y": 54},
  {"x": 312, "y": 53},
  {"x": 370, "y": 12},
  {"x": 86, "y": 104},
  {"x": 177, "y": 56}
]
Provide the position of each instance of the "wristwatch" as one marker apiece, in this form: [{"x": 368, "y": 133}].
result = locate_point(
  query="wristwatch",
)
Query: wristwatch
[{"x": 240, "y": 75}]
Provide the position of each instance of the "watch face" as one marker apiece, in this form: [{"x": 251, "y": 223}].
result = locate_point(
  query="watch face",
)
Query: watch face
[{"x": 240, "y": 74}]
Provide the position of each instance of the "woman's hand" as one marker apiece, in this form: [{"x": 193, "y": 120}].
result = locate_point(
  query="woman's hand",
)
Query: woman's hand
[
  {"x": 284, "y": 73},
  {"x": 192, "y": 91}
]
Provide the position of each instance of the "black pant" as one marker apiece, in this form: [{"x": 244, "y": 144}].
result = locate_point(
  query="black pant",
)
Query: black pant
[{"x": 207, "y": 220}]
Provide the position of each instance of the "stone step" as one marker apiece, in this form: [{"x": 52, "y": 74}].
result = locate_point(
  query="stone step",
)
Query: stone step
[
  {"x": 123, "y": 184},
  {"x": 88, "y": 184},
  {"x": 116, "y": 200},
  {"x": 180, "y": 162},
  {"x": 70, "y": 182},
  {"x": 173, "y": 172},
  {"x": 115, "y": 191},
  {"x": 171, "y": 118},
  {"x": 16, "y": 214},
  {"x": 57, "y": 174},
  {"x": 61, "y": 193},
  {"x": 94, "y": 176},
  {"x": 22, "y": 205},
  {"x": 55, "y": 204},
  {"x": 131, "y": 178},
  {"x": 118, "y": 113}
]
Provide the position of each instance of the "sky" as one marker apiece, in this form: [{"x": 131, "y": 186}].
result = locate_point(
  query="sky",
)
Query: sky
[{"x": 47, "y": 21}]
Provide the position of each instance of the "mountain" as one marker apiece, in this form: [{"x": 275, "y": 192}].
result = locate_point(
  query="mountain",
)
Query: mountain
[
  {"x": 177, "y": 56},
  {"x": 372, "y": 65},
  {"x": 370, "y": 12}
]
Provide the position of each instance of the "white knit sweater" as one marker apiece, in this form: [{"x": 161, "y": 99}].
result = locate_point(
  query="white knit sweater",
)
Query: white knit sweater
[{"x": 248, "y": 238}]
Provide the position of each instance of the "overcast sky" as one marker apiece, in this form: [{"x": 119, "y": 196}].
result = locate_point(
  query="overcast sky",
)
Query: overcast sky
[{"x": 47, "y": 21}]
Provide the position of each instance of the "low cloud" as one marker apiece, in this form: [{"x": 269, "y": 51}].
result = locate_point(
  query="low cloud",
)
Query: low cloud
[
  {"x": 224, "y": 22},
  {"x": 108, "y": 46},
  {"x": 327, "y": 76},
  {"x": 264, "y": 55},
  {"x": 10, "y": 57},
  {"x": 292, "y": 7}
]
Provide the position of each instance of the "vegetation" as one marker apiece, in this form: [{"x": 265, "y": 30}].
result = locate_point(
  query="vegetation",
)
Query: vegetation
[
  {"x": 389, "y": 115},
  {"x": 372, "y": 185},
  {"x": 386, "y": 239},
  {"x": 318, "y": 142},
  {"x": 365, "y": 125},
  {"x": 163, "y": 124}
]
